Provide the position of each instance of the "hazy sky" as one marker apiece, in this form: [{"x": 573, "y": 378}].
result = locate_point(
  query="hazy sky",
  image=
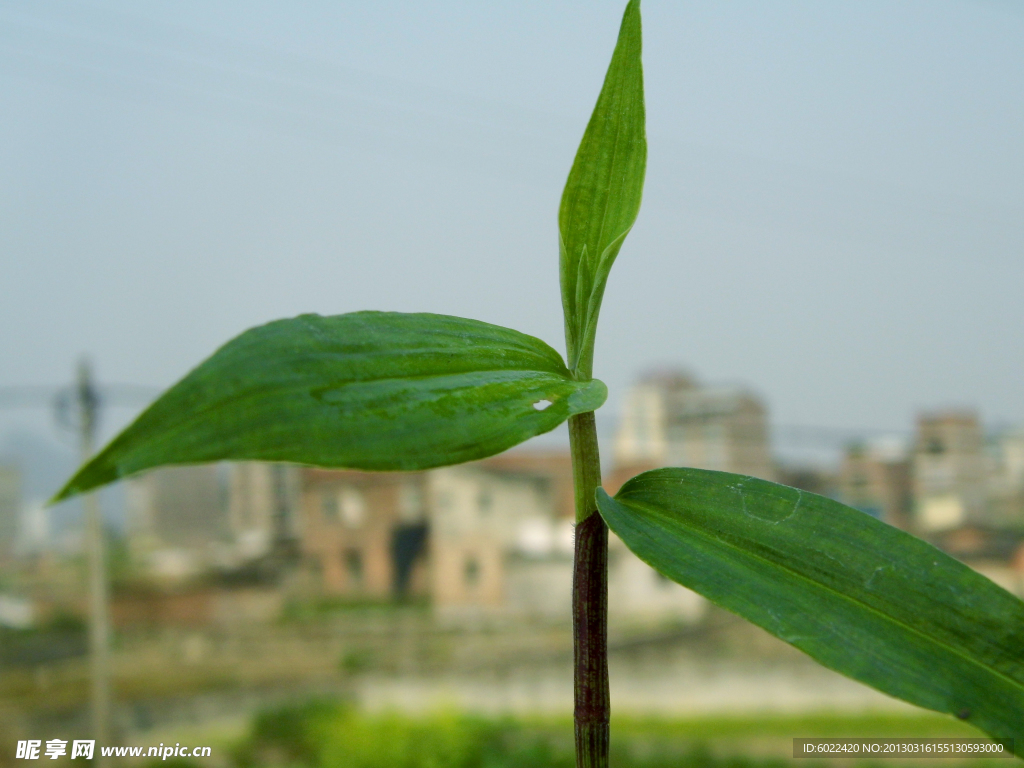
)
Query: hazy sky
[{"x": 832, "y": 216}]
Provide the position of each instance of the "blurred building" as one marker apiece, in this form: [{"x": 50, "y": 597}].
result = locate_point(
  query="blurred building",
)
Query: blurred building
[
  {"x": 263, "y": 512},
  {"x": 176, "y": 519},
  {"x": 819, "y": 480},
  {"x": 671, "y": 420},
  {"x": 502, "y": 535},
  {"x": 10, "y": 508},
  {"x": 876, "y": 479},
  {"x": 185, "y": 520},
  {"x": 995, "y": 552},
  {"x": 491, "y": 538},
  {"x": 950, "y": 481},
  {"x": 364, "y": 534},
  {"x": 1006, "y": 480},
  {"x": 453, "y": 534}
]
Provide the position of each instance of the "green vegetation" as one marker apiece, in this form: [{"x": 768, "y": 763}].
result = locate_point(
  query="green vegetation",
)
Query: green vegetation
[
  {"x": 61, "y": 636},
  {"x": 388, "y": 391},
  {"x": 317, "y": 609},
  {"x": 322, "y": 734}
]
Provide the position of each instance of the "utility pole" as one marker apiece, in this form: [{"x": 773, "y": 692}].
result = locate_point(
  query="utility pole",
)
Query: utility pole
[
  {"x": 88, "y": 402},
  {"x": 77, "y": 409}
]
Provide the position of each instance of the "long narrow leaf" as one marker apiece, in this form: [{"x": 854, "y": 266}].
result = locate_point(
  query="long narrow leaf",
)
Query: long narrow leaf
[
  {"x": 861, "y": 597},
  {"x": 368, "y": 390},
  {"x": 602, "y": 195}
]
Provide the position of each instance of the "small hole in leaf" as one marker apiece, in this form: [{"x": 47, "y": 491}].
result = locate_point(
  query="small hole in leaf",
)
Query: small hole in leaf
[{"x": 540, "y": 405}]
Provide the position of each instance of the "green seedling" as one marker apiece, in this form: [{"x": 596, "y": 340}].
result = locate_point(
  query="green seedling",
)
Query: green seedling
[{"x": 389, "y": 391}]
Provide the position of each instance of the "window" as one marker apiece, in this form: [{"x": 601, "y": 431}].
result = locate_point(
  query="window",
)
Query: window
[
  {"x": 316, "y": 567},
  {"x": 353, "y": 507},
  {"x": 444, "y": 501},
  {"x": 471, "y": 572},
  {"x": 329, "y": 506},
  {"x": 484, "y": 502},
  {"x": 716, "y": 452},
  {"x": 354, "y": 566}
]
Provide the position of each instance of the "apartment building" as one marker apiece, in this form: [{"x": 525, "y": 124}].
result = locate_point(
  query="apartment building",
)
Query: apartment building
[
  {"x": 669, "y": 419},
  {"x": 950, "y": 471},
  {"x": 184, "y": 520},
  {"x": 262, "y": 507},
  {"x": 1006, "y": 480},
  {"x": 876, "y": 479}
]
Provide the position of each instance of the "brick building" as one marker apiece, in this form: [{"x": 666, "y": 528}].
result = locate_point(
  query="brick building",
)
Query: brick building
[{"x": 364, "y": 533}]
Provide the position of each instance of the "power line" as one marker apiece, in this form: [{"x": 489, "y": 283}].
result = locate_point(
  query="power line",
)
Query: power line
[{"x": 47, "y": 396}]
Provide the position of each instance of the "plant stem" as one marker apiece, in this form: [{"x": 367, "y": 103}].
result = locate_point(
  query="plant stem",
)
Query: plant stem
[{"x": 589, "y": 600}]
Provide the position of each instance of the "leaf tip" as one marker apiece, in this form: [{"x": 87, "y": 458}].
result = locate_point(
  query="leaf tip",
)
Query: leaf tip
[
  {"x": 68, "y": 491},
  {"x": 93, "y": 474}
]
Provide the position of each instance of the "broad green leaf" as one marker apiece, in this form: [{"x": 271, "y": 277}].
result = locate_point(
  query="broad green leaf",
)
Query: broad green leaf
[
  {"x": 368, "y": 390},
  {"x": 602, "y": 195},
  {"x": 861, "y": 597}
]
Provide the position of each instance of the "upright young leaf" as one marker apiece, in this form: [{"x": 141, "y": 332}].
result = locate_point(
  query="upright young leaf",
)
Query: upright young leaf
[
  {"x": 861, "y": 597},
  {"x": 368, "y": 390},
  {"x": 602, "y": 195}
]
